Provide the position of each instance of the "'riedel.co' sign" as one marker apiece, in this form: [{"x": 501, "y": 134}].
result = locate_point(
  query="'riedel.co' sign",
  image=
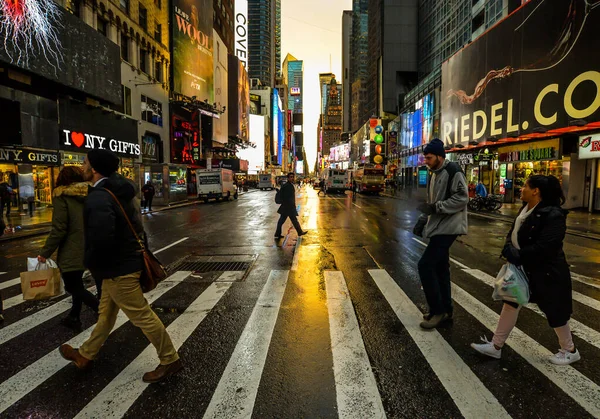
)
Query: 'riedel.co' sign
[{"x": 83, "y": 140}]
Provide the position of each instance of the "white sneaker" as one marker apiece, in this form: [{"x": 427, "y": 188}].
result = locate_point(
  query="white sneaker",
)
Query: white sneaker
[
  {"x": 487, "y": 348},
  {"x": 565, "y": 357}
]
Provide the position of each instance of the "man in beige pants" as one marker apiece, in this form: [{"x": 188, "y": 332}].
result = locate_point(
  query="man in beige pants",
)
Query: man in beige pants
[{"x": 113, "y": 255}]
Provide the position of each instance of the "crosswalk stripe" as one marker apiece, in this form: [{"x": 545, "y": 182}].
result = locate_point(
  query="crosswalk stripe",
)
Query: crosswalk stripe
[
  {"x": 26, "y": 380},
  {"x": 18, "y": 328},
  {"x": 592, "y": 282},
  {"x": 469, "y": 394},
  {"x": 577, "y": 328},
  {"x": 580, "y": 388},
  {"x": 296, "y": 257},
  {"x": 236, "y": 393},
  {"x": 10, "y": 283},
  {"x": 355, "y": 385},
  {"x": 18, "y": 299},
  {"x": 122, "y": 392}
]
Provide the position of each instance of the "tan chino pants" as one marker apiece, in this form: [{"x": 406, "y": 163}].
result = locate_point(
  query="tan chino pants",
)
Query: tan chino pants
[{"x": 124, "y": 293}]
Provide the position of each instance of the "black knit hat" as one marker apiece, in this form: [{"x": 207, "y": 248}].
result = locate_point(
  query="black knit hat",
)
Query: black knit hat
[
  {"x": 435, "y": 147},
  {"x": 103, "y": 161}
]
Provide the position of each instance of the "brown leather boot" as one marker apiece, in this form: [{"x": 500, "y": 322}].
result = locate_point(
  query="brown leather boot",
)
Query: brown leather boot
[
  {"x": 162, "y": 371},
  {"x": 72, "y": 354}
]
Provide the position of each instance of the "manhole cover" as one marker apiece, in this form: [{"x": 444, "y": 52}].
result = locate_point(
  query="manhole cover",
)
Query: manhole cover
[{"x": 239, "y": 264}]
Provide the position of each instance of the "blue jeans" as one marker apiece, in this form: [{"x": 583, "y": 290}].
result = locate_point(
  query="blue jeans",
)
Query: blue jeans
[{"x": 434, "y": 271}]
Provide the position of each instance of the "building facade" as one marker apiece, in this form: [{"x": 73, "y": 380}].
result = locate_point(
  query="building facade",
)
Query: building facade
[
  {"x": 262, "y": 41},
  {"x": 223, "y": 22},
  {"x": 332, "y": 117},
  {"x": 346, "y": 85},
  {"x": 359, "y": 63},
  {"x": 293, "y": 74}
]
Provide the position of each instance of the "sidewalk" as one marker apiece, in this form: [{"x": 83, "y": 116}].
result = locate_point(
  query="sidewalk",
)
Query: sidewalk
[
  {"x": 579, "y": 222},
  {"x": 41, "y": 222}
]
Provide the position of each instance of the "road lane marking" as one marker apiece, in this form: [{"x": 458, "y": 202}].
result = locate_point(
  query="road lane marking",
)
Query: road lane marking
[
  {"x": 576, "y": 385},
  {"x": 29, "y": 378},
  {"x": 296, "y": 254},
  {"x": 355, "y": 385},
  {"x": 451, "y": 259},
  {"x": 356, "y": 205},
  {"x": 2, "y": 273},
  {"x": 18, "y": 299},
  {"x": 236, "y": 393},
  {"x": 592, "y": 282},
  {"x": 122, "y": 392},
  {"x": 10, "y": 283},
  {"x": 470, "y": 395},
  {"x": 171, "y": 245},
  {"x": 579, "y": 329},
  {"x": 27, "y": 323}
]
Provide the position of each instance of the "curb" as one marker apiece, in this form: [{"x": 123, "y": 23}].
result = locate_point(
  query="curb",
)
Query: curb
[
  {"x": 43, "y": 230},
  {"x": 509, "y": 220}
]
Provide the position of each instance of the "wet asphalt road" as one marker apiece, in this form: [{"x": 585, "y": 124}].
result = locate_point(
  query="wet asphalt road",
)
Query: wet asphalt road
[{"x": 321, "y": 328}]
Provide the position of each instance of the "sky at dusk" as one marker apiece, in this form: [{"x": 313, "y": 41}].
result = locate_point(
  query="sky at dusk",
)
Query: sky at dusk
[{"x": 311, "y": 30}]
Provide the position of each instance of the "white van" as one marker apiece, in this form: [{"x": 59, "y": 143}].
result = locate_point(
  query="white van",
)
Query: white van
[
  {"x": 215, "y": 184},
  {"x": 335, "y": 181},
  {"x": 266, "y": 181}
]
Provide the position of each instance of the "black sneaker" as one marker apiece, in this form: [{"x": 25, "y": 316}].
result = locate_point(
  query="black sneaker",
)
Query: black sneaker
[
  {"x": 1, "y": 317},
  {"x": 303, "y": 233},
  {"x": 428, "y": 316}
]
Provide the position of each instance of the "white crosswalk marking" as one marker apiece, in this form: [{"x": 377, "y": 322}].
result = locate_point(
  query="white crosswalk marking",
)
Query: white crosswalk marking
[
  {"x": 122, "y": 392},
  {"x": 26, "y": 380},
  {"x": 580, "y": 388},
  {"x": 236, "y": 393},
  {"x": 471, "y": 397},
  {"x": 356, "y": 389},
  {"x": 15, "y": 329},
  {"x": 577, "y": 328},
  {"x": 10, "y": 283}
]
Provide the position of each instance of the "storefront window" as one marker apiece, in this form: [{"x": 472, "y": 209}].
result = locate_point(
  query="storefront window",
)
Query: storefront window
[
  {"x": 525, "y": 169},
  {"x": 157, "y": 182}
]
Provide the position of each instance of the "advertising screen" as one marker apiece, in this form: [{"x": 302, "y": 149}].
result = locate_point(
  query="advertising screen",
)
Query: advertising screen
[
  {"x": 536, "y": 70},
  {"x": 294, "y": 91},
  {"x": 278, "y": 126},
  {"x": 243, "y": 100},
  {"x": 241, "y": 31},
  {"x": 256, "y": 155},
  {"x": 193, "y": 48}
]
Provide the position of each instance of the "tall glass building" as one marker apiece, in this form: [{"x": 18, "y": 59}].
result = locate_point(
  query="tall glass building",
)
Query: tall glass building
[
  {"x": 262, "y": 40},
  {"x": 293, "y": 75}
]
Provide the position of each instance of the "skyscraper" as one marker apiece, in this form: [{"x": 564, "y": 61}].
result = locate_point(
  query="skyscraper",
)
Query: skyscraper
[
  {"x": 359, "y": 49},
  {"x": 332, "y": 117},
  {"x": 346, "y": 85},
  {"x": 262, "y": 40},
  {"x": 293, "y": 75},
  {"x": 277, "y": 37}
]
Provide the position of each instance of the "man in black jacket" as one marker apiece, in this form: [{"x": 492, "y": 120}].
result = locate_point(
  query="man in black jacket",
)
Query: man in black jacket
[
  {"x": 288, "y": 207},
  {"x": 112, "y": 254}
]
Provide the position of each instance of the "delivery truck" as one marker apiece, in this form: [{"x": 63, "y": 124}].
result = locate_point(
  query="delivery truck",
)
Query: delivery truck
[{"x": 215, "y": 184}]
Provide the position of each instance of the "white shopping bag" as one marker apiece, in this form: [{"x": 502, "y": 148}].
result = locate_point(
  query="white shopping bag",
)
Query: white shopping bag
[{"x": 511, "y": 285}]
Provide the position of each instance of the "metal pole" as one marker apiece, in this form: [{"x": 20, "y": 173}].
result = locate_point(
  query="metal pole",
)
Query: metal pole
[{"x": 593, "y": 185}]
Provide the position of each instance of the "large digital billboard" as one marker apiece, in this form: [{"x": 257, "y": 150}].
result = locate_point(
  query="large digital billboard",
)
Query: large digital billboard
[
  {"x": 255, "y": 155},
  {"x": 241, "y": 31},
  {"x": 278, "y": 126},
  {"x": 535, "y": 71},
  {"x": 192, "y": 55}
]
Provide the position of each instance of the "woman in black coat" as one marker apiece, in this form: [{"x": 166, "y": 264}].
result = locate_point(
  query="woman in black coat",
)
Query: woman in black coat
[{"x": 535, "y": 241}]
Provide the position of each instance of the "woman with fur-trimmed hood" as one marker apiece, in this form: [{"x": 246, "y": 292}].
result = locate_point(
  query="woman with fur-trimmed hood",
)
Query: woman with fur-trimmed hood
[{"x": 67, "y": 236}]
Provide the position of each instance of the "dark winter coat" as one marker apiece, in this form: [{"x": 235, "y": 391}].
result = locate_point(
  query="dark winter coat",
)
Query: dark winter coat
[
  {"x": 288, "y": 197},
  {"x": 67, "y": 227},
  {"x": 111, "y": 249},
  {"x": 541, "y": 241},
  {"x": 148, "y": 191}
]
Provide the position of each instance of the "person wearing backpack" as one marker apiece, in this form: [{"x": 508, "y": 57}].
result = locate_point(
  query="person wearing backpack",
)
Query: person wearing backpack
[
  {"x": 443, "y": 219},
  {"x": 286, "y": 197}
]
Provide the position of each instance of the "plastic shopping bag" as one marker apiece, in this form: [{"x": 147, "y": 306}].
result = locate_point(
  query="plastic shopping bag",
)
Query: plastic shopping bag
[
  {"x": 41, "y": 281},
  {"x": 511, "y": 285}
]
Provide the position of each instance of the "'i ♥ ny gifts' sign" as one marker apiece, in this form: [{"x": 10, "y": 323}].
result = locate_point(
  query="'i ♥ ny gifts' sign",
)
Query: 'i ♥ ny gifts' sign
[{"x": 84, "y": 140}]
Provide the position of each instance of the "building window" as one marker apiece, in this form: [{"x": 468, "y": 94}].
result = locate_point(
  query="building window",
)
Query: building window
[
  {"x": 143, "y": 18},
  {"x": 152, "y": 111},
  {"x": 158, "y": 71},
  {"x": 124, "y": 5},
  {"x": 158, "y": 3},
  {"x": 73, "y": 6},
  {"x": 144, "y": 60},
  {"x": 157, "y": 32},
  {"x": 102, "y": 26},
  {"x": 124, "y": 47},
  {"x": 126, "y": 100}
]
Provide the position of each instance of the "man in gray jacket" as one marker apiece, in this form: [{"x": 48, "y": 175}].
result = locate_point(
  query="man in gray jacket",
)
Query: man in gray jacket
[{"x": 443, "y": 219}]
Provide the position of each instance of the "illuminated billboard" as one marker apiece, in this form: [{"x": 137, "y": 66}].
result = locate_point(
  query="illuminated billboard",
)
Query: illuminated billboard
[
  {"x": 295, "y": 91},
  {"x": 241, "y": 31},
  {"x": 256, "y": 155},
  {"x": 192, "y": 55},
  {"x": 278, "y": 126}
]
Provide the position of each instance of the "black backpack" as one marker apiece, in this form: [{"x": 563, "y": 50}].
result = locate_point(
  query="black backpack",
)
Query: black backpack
[{"x": 278, "y": 200}]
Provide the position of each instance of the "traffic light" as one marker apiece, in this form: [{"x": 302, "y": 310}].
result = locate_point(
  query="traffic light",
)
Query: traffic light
[{"x": 378, "y": 145}]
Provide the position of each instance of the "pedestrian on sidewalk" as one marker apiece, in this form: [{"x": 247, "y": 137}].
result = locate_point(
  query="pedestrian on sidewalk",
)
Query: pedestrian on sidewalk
[
  {"x": 149, "y": 192},
  {"x": 5, "y": 197},
  {"x": 535, "y": 242},
  {"x": 112, "y": 254},
  {"x": 443, "y": 219},
  {"x": 288, "y": 207},
  {"x": 67, "y": 236},
  {"x": 321, "y": 187},
  {"x": 481, "y": 190}
]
